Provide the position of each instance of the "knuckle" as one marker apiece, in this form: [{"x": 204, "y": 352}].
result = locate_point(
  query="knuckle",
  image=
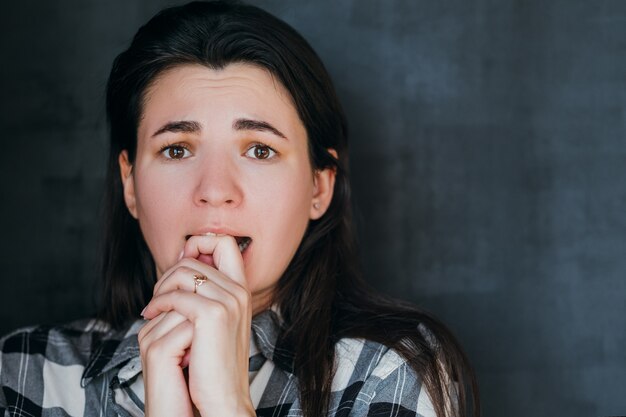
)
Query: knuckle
[
  {"x": 240, "y": 296},
  {"x": 174, "y": 276},
  {"x": 184, "y": 268},
  {"x": 174, "y": 298},
  {"x": 231, "y": 302},
  {"x": 243, "y": 294},
  {"x": 153, "y": 351},
  {"x": 218, "y": 311}
]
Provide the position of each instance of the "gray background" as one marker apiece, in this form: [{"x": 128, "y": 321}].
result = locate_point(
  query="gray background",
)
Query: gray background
[{"x": 488, "y": 163}]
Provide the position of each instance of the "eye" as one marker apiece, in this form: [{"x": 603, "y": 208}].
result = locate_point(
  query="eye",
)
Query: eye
[
  {"x": 260, "y": 151},
  {"x": 175, "y": 152}
]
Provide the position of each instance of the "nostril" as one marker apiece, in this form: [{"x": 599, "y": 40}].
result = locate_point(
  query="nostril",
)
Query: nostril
[{"x": 206, "y": 201}]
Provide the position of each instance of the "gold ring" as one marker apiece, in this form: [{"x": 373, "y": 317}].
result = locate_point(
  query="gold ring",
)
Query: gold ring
[{"x": 198, "y": 279}]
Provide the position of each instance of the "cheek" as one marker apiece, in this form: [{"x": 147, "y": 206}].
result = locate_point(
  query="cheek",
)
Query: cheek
[
  {"x": 286, "y": 198},
  {"x": 158, "y": 207},
  {"x": 283, "y": 209}
]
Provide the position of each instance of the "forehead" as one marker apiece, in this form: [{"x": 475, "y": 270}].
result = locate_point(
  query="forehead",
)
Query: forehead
[{"x": 238, "y": 88}]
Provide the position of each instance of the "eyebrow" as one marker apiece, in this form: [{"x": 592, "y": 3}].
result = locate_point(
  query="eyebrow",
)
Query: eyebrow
[
  {"x": 186, "y": 126},
  {"x": 181, "y": 126},
  {"x": 259, "y": 125}
]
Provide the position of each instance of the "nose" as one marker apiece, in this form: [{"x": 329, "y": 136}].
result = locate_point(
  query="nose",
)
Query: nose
[{"x": 218, "y": 183}]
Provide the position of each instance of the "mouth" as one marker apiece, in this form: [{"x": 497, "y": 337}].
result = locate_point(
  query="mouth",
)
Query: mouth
[{"x": 242, "y": 241}]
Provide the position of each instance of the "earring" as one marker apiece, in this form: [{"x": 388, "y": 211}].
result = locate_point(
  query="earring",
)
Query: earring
[{"x": 316, "y": 206}]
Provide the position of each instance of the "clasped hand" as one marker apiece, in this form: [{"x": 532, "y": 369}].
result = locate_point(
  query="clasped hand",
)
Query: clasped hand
[{"x": 194, "y": 349}]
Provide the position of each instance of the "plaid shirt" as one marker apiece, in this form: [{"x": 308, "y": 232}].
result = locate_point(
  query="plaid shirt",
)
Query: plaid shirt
[{"x": 86, "y": 369}]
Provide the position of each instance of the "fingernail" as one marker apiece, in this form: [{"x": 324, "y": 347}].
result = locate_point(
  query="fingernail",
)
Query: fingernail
[
  {"x": 182, "y": 252},
  {"x": 143, "y": 311}
]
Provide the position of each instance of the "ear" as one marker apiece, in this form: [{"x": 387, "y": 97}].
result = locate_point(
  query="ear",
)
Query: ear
[
  {"x": 126, "y": 172},
  {"x": 323, "y": 186}
]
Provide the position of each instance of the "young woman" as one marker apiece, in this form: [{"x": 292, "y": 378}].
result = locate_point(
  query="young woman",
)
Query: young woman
[{"x": 229, "y": 231}]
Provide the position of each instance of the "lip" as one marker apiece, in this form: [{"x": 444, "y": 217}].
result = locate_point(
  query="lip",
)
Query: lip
[{"x": 216, "y": 231}]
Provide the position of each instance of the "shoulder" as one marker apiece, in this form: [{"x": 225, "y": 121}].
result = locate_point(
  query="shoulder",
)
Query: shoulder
[
  {"x": 37, "y": 350},
  {"x": 72, "y": 330},
  {"x": 46, "y": 367},
  {"x": 75, "y": 339},
  {"x": 373, "y": 377},
  {"x": 365, "y": 359},
  {"x": 369, "y": 359},
  {"x": 43, "y": 367}
]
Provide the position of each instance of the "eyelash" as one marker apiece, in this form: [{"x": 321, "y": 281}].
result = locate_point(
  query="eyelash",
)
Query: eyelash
[
  {"x": 172, "y": 146},
  {"x": 273, "y": 152},
  {"x": 264, "y": 146}
]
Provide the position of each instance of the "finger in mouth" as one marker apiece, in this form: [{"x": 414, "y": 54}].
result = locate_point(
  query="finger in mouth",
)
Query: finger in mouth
[{"x": 242, "y": 241}]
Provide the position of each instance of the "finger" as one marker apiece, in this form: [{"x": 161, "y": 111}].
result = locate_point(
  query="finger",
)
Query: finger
[
  {"x": 169, "y": 347},
  {"x": 216, "y": 306},
  {"x": 225, "y": 252},
  {"x": 159, "y": 326},
  {"x": 184, "y": 278},
  {"x": 173, "y": 278},
  {"x": 166, "y": 391},
  {"x": 148, "y": 324}
]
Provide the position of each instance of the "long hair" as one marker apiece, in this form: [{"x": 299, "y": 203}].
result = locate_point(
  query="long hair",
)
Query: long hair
[{"x": 322, "y": 296}]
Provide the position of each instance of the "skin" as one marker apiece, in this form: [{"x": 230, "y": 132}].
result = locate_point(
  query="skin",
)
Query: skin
[{"x": 192, "y": 189}]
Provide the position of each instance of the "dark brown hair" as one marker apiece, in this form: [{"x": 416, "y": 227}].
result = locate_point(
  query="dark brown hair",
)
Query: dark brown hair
[{"x": 322, "y": 296}]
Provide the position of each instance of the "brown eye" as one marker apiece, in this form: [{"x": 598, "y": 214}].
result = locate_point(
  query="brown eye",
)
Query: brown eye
[
  {"x": 175, "y": 152},
  {"x": 261, "y": 152}
]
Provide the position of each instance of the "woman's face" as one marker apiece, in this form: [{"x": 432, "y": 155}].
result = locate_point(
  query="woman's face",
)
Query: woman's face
[{"x": 224, "y": 151}]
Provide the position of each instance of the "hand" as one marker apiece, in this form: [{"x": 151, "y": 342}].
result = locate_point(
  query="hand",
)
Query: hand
[{"x": 209, "y": 331}]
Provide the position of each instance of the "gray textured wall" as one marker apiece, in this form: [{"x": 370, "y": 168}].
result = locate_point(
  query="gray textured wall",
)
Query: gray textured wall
[{"x": 489, "y": 169}]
